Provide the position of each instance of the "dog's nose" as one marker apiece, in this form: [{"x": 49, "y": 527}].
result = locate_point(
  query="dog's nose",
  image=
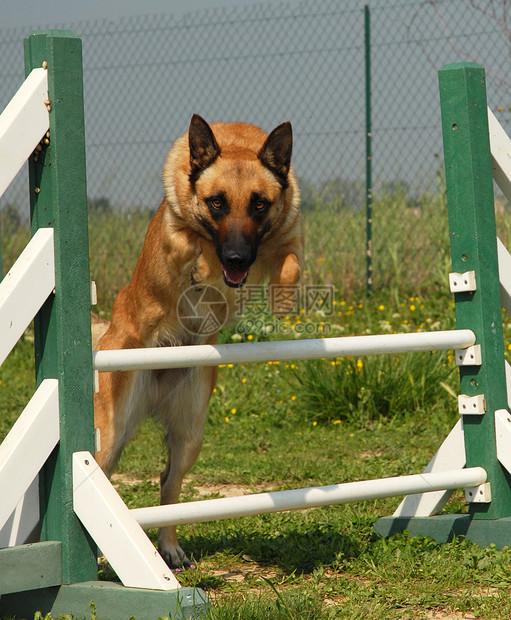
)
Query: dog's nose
[{"x": 237, "y": 259}]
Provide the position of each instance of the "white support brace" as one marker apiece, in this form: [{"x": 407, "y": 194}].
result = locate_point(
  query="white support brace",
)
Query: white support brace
[
  {"x": 500, "y": 147},
  {"x": 23, "y": 123},
  {"x": 27, "y": 446},
  {"x": 450, "y": 455},
  {"x": 504, "y": 258},
  {"x": 503, "y": 437},
  {"x": 116, "y": 532},
  {"x": 25, "y": 288}
]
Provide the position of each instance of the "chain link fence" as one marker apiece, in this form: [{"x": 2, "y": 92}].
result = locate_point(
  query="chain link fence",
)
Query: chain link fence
[{"x": 268, "y": 63}]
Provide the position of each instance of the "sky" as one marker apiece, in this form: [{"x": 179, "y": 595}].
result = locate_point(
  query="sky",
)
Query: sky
[{"x": 27, "y": 12}]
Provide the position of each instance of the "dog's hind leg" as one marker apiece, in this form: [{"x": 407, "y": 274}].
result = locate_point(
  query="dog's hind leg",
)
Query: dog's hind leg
[{"x": 183, "y": 414}]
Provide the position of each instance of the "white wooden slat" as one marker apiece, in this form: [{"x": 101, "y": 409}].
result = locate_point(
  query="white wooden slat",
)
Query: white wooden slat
[
  {"x": 25, "y": 288},
  {"x": 503, "y": 437},
  {"x": 504, "y": 259},
  {"x": 22, "y": 526},
  {"x": 451, "y": 455},
  {"x": 23, "y": 123},
  {"x": 27, "y": 446},
  {"x": 500, "y": 147},
  {"x": 115, "y": 531}
]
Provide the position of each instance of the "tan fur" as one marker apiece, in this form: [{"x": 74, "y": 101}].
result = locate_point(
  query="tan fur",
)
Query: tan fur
[{"x": 178, "y": 253}]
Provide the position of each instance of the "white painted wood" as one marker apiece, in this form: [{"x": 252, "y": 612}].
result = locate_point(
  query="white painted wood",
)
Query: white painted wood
[
  {"x": 23, "y": 525},
  {"x": 297, "y": 499},
  {"x": 27, "y": 446},
  {"x": 23, "y": 123},
  {"x": 111, "y": 525},
  {"x": 211, "y": 355},
  {"x": 508, "y": 383},
  {"x": 450, "y": 455},
  {"x": 500, "y": 147},
  {"x": 503, "y": 437},
  {"x": 25, "y": 288},
  {"x": 504, "y": 259}
]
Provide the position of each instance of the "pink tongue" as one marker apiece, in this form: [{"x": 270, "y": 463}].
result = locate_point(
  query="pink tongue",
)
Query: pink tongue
[{"x": 235, "y": 276}]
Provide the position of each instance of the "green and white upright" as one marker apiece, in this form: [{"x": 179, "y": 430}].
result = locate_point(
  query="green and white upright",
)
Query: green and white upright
[
  {"x": 475, "y": 149},
  {"x": 51, "y": 282}
]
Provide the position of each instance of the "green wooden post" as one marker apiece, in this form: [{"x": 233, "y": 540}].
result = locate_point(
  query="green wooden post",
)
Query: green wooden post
[
  {"x": 474, "y": 248},
  {"x": 58, "y": 198}
]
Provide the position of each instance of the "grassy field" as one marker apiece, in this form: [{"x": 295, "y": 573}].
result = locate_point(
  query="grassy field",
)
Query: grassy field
[{"x": 285, "y": 425}]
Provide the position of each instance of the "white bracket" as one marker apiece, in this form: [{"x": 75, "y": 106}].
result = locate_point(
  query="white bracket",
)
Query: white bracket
[
  {"x": 503, "y": 437},
  {"x": 471, "y": 356},
  {"x": 93, "y": 294},
  {"x": 116, "y": 532},
  {"x": 462, "y": 282},
  {"x": 478, "y": 495},
  {"x": 471, "y": 405}
]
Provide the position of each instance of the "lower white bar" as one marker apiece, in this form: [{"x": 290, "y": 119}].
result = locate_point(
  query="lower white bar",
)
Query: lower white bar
[
  {"x": 212, "y": 355},
  {"x": 297, "y": 499}
]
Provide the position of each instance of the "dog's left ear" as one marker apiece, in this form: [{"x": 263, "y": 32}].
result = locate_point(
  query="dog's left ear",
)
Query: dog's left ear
[
  {"x": 275, "y": 153},
  {"x": 204, "y": 148}
]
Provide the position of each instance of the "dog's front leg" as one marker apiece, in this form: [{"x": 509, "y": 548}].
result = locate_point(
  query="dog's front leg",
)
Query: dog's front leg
[
  {"x": 183, "y": 413},
  {"x": 283, "y": 291}
]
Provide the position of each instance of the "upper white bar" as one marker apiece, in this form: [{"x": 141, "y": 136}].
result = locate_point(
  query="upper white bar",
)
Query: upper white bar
[
  {"x": 23, "y": 123},
  {"x": 212, "y": 355},
  {"x": 25, "y": 288}
]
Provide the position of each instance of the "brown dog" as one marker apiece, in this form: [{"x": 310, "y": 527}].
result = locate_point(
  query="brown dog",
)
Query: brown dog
[{"x": 230, "y": 216}]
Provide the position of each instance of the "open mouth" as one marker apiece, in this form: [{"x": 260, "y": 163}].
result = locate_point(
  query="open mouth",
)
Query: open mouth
[{"x": 233, "y": 278}]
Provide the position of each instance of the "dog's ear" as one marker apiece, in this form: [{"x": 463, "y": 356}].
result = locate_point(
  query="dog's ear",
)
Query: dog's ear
[
  {"x": 204, "y": 148},
  {"x": 275, "y": 153}
]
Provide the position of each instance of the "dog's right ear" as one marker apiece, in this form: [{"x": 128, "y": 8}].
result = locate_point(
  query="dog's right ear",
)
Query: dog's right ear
[{"x": 204, "y": 148}]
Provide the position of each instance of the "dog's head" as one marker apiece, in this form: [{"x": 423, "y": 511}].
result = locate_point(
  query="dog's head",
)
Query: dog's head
[{"x": 238, "y": 189}]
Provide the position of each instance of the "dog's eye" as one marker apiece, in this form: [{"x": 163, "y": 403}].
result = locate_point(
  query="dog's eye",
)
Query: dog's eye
[
  {"x": 215, "y": 203},
  {"x": 260, "y": 205}
]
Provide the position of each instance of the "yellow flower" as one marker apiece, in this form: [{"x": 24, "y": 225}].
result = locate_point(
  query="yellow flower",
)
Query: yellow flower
[
  {"x": 293, "y": 397},
  {"x": 250, "y": 337},
  {"x": 314, "y": 423},
  {"x": 244, "y": 380},
  {"x": 226, "y": 419},
  {"x": 381, "y": 307},
  {"x": 230, "y": 365},
  {"x": 233, "y": 411},
  {"x": 412, "y": 307},
  {"x": 336, "y": 422},
  {"x": 360, "y": 364}
]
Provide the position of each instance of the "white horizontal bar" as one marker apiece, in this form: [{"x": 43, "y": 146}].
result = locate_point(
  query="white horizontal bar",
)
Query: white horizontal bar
[
  {"x": 109, "y": 522},
  {"x": 212, "y": 355},
  {"x": 504, "y": 259},
  {"x": 297, "y": 499},
  {"x": 27, "y": 446},
  {"x": 25, "y": 288},
  {"x": 500, "y": 147},
  {"x": 23, "y": 123}
]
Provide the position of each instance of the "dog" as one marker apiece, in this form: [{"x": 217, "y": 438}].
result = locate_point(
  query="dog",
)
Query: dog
[{"x": 230, "y": 217}]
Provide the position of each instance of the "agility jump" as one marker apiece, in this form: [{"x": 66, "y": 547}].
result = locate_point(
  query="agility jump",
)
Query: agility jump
[{"x": 81, "y": 511}]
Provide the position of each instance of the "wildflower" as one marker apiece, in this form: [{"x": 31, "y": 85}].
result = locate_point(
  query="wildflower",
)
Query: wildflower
[
  {"x": 314, "y": 423},
  {"x": 336, "y": 422},
  {"x": 250, "y": 337},
  {"x": 412, "y": 307},
  {"x": 230, "y": 365},
  {"x": 293, "y": 397},
  {"x": 227, "y": 419},
  {"x": 360, "y": 364},
  {"x": 214, "y": 390},
  {"x": 381, "y": 307},
  {"x": 233, "y": 410},
  {"x": 244, "y": 380}
]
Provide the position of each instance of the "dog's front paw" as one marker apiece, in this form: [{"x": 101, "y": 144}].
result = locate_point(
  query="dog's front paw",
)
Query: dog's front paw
[{"x": 176, "y": 558}]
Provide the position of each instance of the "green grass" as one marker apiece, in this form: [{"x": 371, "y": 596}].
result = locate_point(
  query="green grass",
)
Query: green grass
[{"x": 293, "y": 424}]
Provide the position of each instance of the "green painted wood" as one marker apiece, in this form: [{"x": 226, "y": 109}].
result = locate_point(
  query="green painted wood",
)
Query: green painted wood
[
  {"x": 444, "y": 528},
  {"x": 26, "y": 567},
  {"x": 58, "y": 199},
  {"x": 110, "y": 601},
  {"x": 474, "y": 247}
]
